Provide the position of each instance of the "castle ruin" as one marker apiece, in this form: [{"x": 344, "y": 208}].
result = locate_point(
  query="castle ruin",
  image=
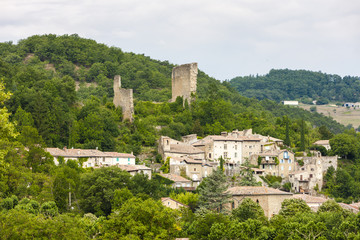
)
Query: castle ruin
[
  {"x": 184, "y": 78},
  {"x": 123, "y": 98}
]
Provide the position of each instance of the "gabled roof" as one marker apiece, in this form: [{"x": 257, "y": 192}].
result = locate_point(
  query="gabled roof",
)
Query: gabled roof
[
  {"x": 133, "y": 168},
  {"x": 78, "y": 153},
  {"x": 120, "y": 155},
  {"x": 255, "y": 190},
  {"x": 169, "y": 198},
  {"x": 322, "y": 142},
  {"x": 310, "y": 199},
  {"x": 184, "y": 148},
  {"x": 174, "y": 177}
]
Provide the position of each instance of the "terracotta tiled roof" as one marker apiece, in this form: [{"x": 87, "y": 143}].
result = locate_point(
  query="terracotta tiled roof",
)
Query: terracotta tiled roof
[
  {"x": 310, "y": 199},
  {"x": 174, "y": 177},
  {"x": 56, "y": 152},
  {"x": 349, "y": 207},
  {"x": 116, "y": 154},
  {"x": 76, "y": 153},
  {"x": 184, "y": 148},
  {"x": 322, "y": 142},
  {"x": 251, "y": 190},
  {"x": 133, "y": 168}
]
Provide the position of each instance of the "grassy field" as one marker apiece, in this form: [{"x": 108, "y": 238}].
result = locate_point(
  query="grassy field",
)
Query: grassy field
[{"x": 341, "y": 114}]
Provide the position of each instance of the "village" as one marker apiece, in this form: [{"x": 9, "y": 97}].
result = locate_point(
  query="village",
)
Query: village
[{"x": 190, "y": 160}]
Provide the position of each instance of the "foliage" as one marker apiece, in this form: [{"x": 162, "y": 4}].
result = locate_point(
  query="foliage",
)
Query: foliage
[
  {"x": 247, "y": 176},
  {"x": 290, "y": 207},
  {"x": 248, "y": 209},
  {"x": 212, "y": 191},
  {"x": 285, "y": 84}
]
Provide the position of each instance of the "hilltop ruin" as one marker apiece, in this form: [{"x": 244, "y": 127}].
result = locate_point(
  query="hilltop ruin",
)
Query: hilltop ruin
[
  {"x": 123, "y": 98},
  {"x": 184, "y": 79}
]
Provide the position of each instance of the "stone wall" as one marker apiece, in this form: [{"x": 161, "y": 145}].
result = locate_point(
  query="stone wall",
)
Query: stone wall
[
  {"x": 184, "y": 79},
  {"x": 123, "y": 98}
]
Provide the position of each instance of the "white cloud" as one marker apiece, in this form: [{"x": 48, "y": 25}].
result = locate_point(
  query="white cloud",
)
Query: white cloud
[{"x": 227, "y": 38}]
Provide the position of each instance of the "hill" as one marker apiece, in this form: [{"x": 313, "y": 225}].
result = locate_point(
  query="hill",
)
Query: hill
[
  {"x": 285, "y": 84},
  {"x": 62, "y": 90}
]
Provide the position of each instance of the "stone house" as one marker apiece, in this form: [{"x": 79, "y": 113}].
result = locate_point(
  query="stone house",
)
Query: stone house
[
  {"x": 92, "y": 157},
  {"x": 310, "y": 175},
  {"x": 276, "y": 162},
  {"x": 169, "y": 147},
  {"x": 269, "y": 199},
  {"x": 135, "y": 169},
  {"x": 324, "y": 143},
  {"x": 179, "y": 181},
  {"x": 315, "y": 202},
  {"x": 194, "y": 169},
  {"x": 171, "y": 203},
  {"x": 227, "y": 147}
]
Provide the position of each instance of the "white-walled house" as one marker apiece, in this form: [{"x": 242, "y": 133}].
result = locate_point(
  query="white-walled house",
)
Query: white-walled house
[{"x": 93, "y": 157}]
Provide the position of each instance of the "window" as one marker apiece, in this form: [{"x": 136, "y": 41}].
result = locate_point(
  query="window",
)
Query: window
[
  {"x": 289, "y": 161},
  {"x": 194, "y": 169},
  {"x": 267, "y": 158},
  {"x": 225, "y": 155},
  {"x": 282, "y": 168},
  {"x": 117, "y": 159},
  {"x": 286, "y": 155},
  {"x": 311, "y": 175},
  {"x": 209, "y": 155},
  {"x": 225, "y": 146},
  {"x": 232, "y": 205},
  {"x": 263, "y": 166},
  {"x": 289, "y": 167},
  {"x": 250, "y": 146},
  {"x": 235, "y": 147},
  {"x": 312, "y": 169},
  {"x": 282, "y": 161},
  {"x": 236, "y": 155}
]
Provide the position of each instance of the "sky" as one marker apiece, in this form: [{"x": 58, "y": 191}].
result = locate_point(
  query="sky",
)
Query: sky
[{"x": 227, "y": 38}]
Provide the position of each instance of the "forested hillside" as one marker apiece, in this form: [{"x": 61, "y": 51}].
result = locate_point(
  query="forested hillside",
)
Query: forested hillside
[
  {"x": 56, "y": 91},
  {"x": 42, "y": 72},
  {"x": 306, "y": 86}
]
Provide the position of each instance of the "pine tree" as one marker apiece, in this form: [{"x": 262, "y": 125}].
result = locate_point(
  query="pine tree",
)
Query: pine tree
[
  {"x": 287, "y": 133},
  {"x": 302, "y": 136},
  {"x": 213, "y": 191}
]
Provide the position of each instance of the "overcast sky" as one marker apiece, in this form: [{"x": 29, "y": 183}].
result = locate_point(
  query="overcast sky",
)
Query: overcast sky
[{"x": 227, "y": 38}]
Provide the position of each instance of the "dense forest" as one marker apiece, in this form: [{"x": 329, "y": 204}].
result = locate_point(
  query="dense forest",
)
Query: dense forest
[
  {"x": 302, "y": 85},
  {"x": 56, "y": 91}
]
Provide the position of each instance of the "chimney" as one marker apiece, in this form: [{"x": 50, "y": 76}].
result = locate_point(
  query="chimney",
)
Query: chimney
[{"x": 224, "y": 134}]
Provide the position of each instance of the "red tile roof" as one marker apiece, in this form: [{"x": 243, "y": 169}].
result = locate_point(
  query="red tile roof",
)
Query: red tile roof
[{"x": 255, "y": 190}]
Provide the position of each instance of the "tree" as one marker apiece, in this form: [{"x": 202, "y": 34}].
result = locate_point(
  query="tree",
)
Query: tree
[
  {"x": 302, "y": 136},
  {"x": 141, "y": 219},
  {"x": 287, "y": 141},
  {"x": 248, "y": 209},
  {"x": 344, "y": 145},
  {"x": 97, "y": 189},
  {"x": 247, "y": 176},
  {"x": 290, "y": 207},
  {"x": 213, "y": 191}
]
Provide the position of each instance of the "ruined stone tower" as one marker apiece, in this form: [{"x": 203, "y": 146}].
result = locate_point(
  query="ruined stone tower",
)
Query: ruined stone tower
[
  {"x": 184, "y": 78},
  {"x": 123, "y": 98}
]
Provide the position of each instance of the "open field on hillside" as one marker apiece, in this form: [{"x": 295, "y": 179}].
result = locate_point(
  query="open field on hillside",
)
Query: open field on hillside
[{"x": 341, "y": 114}]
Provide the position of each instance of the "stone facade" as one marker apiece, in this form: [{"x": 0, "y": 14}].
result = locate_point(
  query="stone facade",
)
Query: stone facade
[
  {"x": 184, "y": 79},
  {"x": 123, "y": 98},
  {"x": 171, "y": 203},
  {"x": 269, "y": 199},
  {"x": 306, "y": 177},
  {"x": 197, "y": 170},
  {"x": 169, "y": 147},
  {"x": 285, "y": 165}
]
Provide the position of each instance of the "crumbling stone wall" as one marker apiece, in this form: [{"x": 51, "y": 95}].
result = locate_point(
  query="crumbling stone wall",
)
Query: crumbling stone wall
[
  {"x": 184, "y": 79},
  {"x": 123, "y": 98}
]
